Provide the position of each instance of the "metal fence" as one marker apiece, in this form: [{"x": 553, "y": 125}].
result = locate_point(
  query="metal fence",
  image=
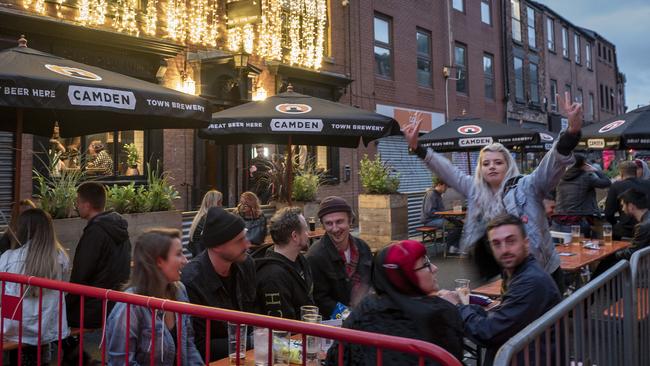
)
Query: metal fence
[
  {"x": 640, "y": 265},
  {"x": 590, "y": 327},
  {"x": 14, "y": 310}
]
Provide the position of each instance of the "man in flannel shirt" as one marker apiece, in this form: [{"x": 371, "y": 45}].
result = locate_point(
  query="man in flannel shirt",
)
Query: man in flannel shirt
[
  {"x": 100, "y": 160},
  {"x": 340, "y": 263}
]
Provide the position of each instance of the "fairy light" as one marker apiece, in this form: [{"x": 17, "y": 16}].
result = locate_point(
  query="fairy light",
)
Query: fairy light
[
  {"x": 27, "y": 4},
  {"x": 294, "y": 32},
  {"x": 321, "y": 23},
  {"x": 248, "y": 38},
  {"x": 98, "y": 12},
  {"x": 308, "y": 32},
  {"x": 198, "y": 21},
  {"x": 125, "y": 16},
  {"x": 84, "y": 11},
  {"x": 39, "y": 6},
  {"x": 151, "y": 17},
  {"x": 234, "y": 38},
  {"x": 176, "y": 19},
  {"x": 260, "y": 94}
]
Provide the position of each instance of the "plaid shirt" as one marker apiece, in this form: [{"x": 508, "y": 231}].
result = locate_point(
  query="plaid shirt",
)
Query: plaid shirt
[
  {"x": 351, "y": 267},
  {"x": 102, "y": 161}
]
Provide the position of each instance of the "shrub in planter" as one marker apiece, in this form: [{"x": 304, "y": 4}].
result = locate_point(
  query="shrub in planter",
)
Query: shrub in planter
[
  {"x": 126, "y": 199},
  {"x": 376, "y": 176},
  {"x": 57, "y": 188},
  {"x": 306, "y": 183}
]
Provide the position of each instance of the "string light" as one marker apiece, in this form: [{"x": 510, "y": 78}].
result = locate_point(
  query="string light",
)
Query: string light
[
  {"x": 151, "y": 17},
  {"x": 27, "y": 4},
  {"x": 176, "y": 19},
  {"x": 248, "y": 38},
  {"x": 39, "y": 6},
  {"x": 125, "y": 16},
  {"x": 234, "y": 38},
  {"x": 294, "y": 32}
]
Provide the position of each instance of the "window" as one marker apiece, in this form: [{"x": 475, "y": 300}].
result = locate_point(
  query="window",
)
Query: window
[
  {"x": 599, "y": 50},
  {"x": 609, "y": 55},
  {"x": 519, "y": 79},
  {"x": 579, "y": 97},
  {"x": 550, "y": 34},
  {"x": 423, "y": 39},
  {"x": 588, "y": 55},
  {"x": 459, "y": 5},
  {"x": 533, "y": 82},
  {"x": 383, "y": 47},
  {"x": 576, "y": 47},
  {"x": 567, "y": 88},
  {"x": 553, "y": 96},
  {"x": 565, "y": 42},
  {"x": 590, "y": 107},
  {"x": 324, "y": 159},
  {"x": 606, "y": 97},
  {"x": 486, "y": 13},
  {"x": 516, "y": 20},
  {"x": 488, "y": 75},
  {"x": 460, "y": 57},
  {"x": 602, "y": 97},
  {"x": 532, "y": 35},
  {"x": 611, "y": 99}
]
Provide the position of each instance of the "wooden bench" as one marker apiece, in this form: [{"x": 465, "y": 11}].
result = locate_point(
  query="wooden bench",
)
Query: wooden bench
[
  {"x": 10, "y": 346},
  {"x": 428, "y": 233}
]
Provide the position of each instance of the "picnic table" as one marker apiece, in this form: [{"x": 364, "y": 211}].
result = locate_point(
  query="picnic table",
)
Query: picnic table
[{"x": 578, "y": 258}]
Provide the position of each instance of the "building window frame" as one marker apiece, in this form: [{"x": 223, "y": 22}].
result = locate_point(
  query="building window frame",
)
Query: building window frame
[
  {"x": 458, "y": 5},
  {"x": 488, "y": 76},
  {"x": 567, "y": 88},
  {"x": 550, "y": 34},
  {"x": 518, "y": 68},
  {"x": 590, "y": 107},
  {"x": 531, "y": 29},
  {"x": 553, "y": 96},
  {"x": 486, "y": 12},
  {"x": 588, "y": 58},
  {"x": 515, "y": 10},
  {"x": 386, "y": 46},
  {"x": 565, "y": 42},
  {"x": 576, "y": 48},
  {"x": 533, "y": 83},
  {"x": 462, "y": 86},
  {"x": 424, "y": 58}
]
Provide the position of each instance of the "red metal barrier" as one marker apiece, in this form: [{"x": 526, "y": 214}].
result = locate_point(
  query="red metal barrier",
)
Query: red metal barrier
[{"x": 422, "y": 350}]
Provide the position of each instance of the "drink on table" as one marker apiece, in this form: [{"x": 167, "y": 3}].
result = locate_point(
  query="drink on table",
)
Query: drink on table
[
  {"x": 575, "y": 234},
  {"x": 607, "y": 234},
  {"x": 458, "y": 206},
  {"x": 313, "y": 343},
  {"x": 261, "y": 345},
  {"x": 236, "y": 331},
  {"x": 462, "y": 287}
]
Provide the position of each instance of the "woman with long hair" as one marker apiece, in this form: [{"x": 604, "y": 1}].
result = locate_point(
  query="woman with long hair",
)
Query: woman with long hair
[
  {"x": 38, "y": 254},
  {"x": 497, "y": 188},
  {"x": 212, "y": 198},
  {"x": 405, "y": 304},
  {"x": 157, "y": 262},
  {"x": 249, "y": 209}
]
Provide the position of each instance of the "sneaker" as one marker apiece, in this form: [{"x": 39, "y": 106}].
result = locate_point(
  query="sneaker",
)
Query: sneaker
[{"x": 453, "y": 250}]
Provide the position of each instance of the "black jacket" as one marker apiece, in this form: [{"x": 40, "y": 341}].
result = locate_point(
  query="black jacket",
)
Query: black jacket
[
  {"x": 378, "y": 314},
  {"x": 195, "y": 245},
  {"x": 530, "y": 293},
  {"x": 281, "y": 289},
  {"x": 613, "y": 205},
  {"x": 102, "y": 259},
  {"x": 256, "y": 229},
  {"x": 204, "y": 287},
  {"x": 641, "y": 237},
  {"x": 576, "y": 192},
  {"x": 331, "y": 283}
]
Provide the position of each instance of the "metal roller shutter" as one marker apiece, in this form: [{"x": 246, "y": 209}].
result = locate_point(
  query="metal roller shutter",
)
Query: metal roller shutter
[{"x": 6, "y": 177}]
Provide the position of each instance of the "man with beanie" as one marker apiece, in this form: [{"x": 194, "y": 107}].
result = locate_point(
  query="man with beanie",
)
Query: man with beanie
[
  {"x": 222, "y": 276},
  {"x": 340, "y": 263},
  {"x": 285, "y": 282}
]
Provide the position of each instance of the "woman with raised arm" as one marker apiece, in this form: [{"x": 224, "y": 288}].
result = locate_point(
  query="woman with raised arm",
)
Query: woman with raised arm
[{"x": 497, "y": 187}]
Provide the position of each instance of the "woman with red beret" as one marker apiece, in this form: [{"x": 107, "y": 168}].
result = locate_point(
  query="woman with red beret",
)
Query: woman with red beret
[{"x": 403, "y": 304}]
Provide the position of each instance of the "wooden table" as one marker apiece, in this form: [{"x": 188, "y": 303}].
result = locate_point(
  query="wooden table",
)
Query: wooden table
[
  {"x": 450, "y": 213},
  {"x": 316, "y": 234},
  {"x": 583, "y": 257}
]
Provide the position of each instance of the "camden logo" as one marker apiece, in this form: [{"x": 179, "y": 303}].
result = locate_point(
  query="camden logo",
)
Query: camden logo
[
  {"x": 545, "y": 136},
  {"x": 596, "y": 143},
  {"x": 475, "y": 141},
  {"x": 469, "y": 129},
  {"x": 101, "y": 97},
  {"x": 301, "y": 125},
  {"x": 73, "y": 72},
  {"x": 291, "y": 108},
  {"x": 610, "y": 126}
]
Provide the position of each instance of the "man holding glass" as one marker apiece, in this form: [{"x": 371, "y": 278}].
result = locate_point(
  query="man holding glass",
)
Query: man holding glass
[
  {"x": 528, "y": 291},
  {"x": 284, "y": 278}
]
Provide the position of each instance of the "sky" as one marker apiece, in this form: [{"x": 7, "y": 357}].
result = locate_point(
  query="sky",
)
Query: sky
[{"x": 626, "y": 23}]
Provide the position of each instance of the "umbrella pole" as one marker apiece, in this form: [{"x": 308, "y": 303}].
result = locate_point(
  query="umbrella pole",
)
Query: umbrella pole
[
  {"x": 18, "y": 155},
  {"x": 469, "y": 163},
  {"x": 289, "y": 170}
]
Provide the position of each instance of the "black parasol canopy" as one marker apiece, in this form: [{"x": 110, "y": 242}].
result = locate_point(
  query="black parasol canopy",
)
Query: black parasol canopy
[
  {"x": 86, "y": 99},
  {"x": 299, "y": 119},
  {"x": 473, "y": 133},
  {"x": 627, "y": 131}
]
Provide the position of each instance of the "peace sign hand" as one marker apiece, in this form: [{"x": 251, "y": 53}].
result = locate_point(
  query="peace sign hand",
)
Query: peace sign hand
[
  {"x": 573, "y": 111},
  {"x": 411, "y": 134}
]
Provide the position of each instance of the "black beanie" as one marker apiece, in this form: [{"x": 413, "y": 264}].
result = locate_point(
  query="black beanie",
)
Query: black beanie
[
  {"x": 220, "y": 227},
  {"x": 333, "y": 204}
]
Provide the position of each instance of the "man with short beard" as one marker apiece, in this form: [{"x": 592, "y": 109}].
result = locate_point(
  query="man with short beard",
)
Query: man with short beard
[
  {"x": 340, "y": 263},
  {"x": 222, "y": 276},
  {"x": 528, "y": 291},
  {"x": 285, "y": 282}
]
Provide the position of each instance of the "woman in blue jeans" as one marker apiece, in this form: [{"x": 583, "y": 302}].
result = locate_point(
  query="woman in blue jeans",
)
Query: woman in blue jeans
[{"x": 157, "y": 262}]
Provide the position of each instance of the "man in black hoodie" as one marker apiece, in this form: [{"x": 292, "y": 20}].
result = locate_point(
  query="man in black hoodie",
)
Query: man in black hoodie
[
  {"x": 624, "y": 224},
  {"x": 103, "y": 254},
  {"x": 284, "y": 278}
]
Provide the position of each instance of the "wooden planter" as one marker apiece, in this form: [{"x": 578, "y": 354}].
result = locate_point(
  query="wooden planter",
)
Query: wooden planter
[
  {"x": 383, "y": 219},
  {"x": 68, "y": 231}
]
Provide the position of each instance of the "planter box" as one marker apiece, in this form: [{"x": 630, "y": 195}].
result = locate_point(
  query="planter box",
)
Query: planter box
[
  {"x": 383, "y": 219},
  {"x": 68, "y": 231}
]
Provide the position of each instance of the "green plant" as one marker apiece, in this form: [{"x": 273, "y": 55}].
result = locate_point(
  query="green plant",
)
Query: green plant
[
  {"x": 306, "y": 183},
  {"x": 275, "y": 178},
  {"x": 56, "y": 187},
  {"x": 132, "y": 157},
  {"x": 160, "y": 193},
  {"x": 376, "y": 176},
  {"x": 127, "y": 199}
]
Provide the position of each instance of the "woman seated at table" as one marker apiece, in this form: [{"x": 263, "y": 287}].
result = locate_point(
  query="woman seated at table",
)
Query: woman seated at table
[
  {"x": 249, "y": 209},
  {"x": 212, "y": 198},
  {"x": 404, "y": 304},
  {"x": 157, "y": 262}
]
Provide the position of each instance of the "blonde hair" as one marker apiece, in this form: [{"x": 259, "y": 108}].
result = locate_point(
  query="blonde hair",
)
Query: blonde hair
[
  {"x": 211, "y": 199},
  {"x": 255, "y": 204},
  {"x": 489, "y": 203}
]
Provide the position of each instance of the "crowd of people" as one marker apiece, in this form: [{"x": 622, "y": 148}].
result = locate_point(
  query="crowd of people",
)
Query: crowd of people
[{"x": 394, "y": 291}]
